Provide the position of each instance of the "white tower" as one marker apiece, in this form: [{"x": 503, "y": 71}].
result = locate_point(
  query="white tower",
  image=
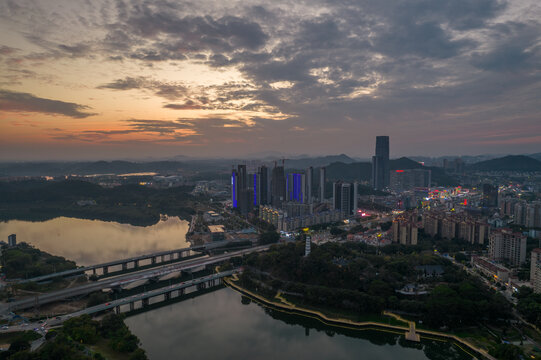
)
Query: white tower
[{"x": 307, "y": 246}]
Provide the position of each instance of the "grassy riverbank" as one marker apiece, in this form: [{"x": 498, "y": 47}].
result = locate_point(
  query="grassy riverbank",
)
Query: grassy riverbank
[{"x": 386, "y": 322}]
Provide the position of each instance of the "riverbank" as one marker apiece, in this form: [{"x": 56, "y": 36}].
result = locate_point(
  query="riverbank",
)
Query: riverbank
[{"x": 287, "y": 307}]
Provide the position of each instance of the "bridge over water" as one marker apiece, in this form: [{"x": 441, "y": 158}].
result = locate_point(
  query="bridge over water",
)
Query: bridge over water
[
  {"x": 123, "y": 280},
  {"x": 125, "y": 264},
  {"x": 145, "y": 299}
]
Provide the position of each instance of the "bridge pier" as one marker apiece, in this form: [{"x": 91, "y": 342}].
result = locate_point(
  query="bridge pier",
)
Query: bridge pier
[
  {"x": 153, "y": 260},
  {"x": 167, "y": 296},
  {"x": 124, "y": 266},
  {"x": 135, "y": 264},
  {"x": 144, "y": 302},
  {"x": 94, "y": 271},
  {"x": 105, "y": 270},
  {"x": 117, "y": 310},
  {"x": 181, "y": 292},
  {"x": 132, "y": 306},
  {"x": 163, "y": 258}
]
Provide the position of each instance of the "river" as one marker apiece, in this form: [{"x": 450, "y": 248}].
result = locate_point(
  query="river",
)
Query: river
[
  {"x": 218, "y": 326},
  {"x": 90, "y": 242}
]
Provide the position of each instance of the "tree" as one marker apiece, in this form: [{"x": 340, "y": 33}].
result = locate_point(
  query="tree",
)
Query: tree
[
  {"x": 269, "y": 237},
  {"x": 19, "y": 344},
  {"x": 139, "y": 354}
]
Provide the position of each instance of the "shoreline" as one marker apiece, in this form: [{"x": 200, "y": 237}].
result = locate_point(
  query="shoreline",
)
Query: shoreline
[{"x": 289, "y": 308}]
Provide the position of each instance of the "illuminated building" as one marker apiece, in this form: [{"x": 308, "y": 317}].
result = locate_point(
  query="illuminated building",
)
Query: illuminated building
[
  {"x": 380, "y": 163},
  {"x": 296, "y": 185},
  {"x": 241, "y": 196}
]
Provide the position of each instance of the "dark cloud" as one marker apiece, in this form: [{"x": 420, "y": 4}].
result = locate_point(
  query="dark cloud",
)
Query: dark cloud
[
  {"x": 516, "y": 47},
  {"x": 7, "y": 50},
  {"x": 127, "y": 83},
  {"x": 24, "y": 102},
  {"x": 170, "y": 91},
  {"x": 188, "y": 105}
]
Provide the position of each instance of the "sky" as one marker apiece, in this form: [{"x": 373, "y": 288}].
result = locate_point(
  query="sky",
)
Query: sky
[{"x": 156, "y": 79}]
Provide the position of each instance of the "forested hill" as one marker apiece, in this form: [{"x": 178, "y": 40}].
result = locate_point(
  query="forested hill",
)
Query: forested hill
[
  {"x": 508, "y": 163},
  {"x": 134, "y": 204}
]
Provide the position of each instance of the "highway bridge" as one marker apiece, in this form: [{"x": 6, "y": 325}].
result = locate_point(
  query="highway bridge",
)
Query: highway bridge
[
  {"x": 122, "y": 280},
  {"x": 143, "y": 300},
  {"x": 125, "y": 264}
]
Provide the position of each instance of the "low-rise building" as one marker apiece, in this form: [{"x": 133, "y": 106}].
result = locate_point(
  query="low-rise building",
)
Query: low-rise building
[{"x": 496, "y": 271}]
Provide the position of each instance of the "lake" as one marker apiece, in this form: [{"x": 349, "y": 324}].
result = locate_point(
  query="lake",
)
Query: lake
[{"x": 90, "y": 242}]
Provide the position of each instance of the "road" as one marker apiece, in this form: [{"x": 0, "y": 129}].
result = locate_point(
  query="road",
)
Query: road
[
  {"x": 121, "y": 280},
  {"x": 107, "y": 264}
]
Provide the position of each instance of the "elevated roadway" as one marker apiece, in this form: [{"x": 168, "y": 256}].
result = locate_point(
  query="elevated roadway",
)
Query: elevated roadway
[
  {"x": 175, "y": 254},
  {"x": 122, "y": 280}
]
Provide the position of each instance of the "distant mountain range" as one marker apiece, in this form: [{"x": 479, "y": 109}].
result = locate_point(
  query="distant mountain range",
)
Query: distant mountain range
[
  {"x": 508, "y": 163},
  {"x": 338, "y": 166}
]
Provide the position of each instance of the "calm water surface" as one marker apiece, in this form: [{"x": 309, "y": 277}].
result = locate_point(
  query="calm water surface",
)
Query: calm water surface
[
  {"x": 218, "y": 326},
  {"x": 90, "y": 242}
]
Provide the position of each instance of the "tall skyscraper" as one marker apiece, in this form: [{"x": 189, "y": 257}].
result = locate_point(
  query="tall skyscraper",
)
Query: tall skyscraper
[
  {"x": 322, "y": 181},
  {"x": 296, "y": 184},
  {"x": 260, "y": 186},
  {"x": 490, "y": 195},
  {"x": 343, "y": 197},
  {"x": 234, "y": 188},
  {"x": 355, "y": 197},
  {"x": 309, "y": 184},
  {"x": 380, "y": 163},
  {"x": 278, "y": 186},
  {"x": 240, "y": 194}
]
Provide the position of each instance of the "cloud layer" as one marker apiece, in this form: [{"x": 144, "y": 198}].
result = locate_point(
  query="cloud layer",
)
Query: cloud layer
[{"x": 307, "y": 77}]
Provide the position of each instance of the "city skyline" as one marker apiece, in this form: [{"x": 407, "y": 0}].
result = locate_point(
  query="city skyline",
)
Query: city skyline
[{"x": 145, "y": 80}]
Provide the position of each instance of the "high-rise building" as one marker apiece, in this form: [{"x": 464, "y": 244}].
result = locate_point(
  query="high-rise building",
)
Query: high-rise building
[
  {"x": 309, "y": 185},
  {"x": 322, "y": 181},
  {"x": 380, "y": 163},
  {"x": 535, "y": 270},
  {"x": 261, "y": 186},
  {"x": 278, "y": 186},
  {"x": 241, "y": 196},
  {"x": 296, "y": 184},
  {"x": 506, "y": 245},
  {"x": 490, "y": 195},
  {"x": 234, "y": 188},
  {"x": 343, "y": 197},
  {"x": 403, "y": 180},
  {"x": 355, "y": 197},
  {"x": 405, "y": 231},
  {"x": 12, "y": 240}
]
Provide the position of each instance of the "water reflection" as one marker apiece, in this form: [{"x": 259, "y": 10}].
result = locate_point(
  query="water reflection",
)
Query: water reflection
[
  {"x": 92, "y": 241},
  {"x": 222, "y": 325}
]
